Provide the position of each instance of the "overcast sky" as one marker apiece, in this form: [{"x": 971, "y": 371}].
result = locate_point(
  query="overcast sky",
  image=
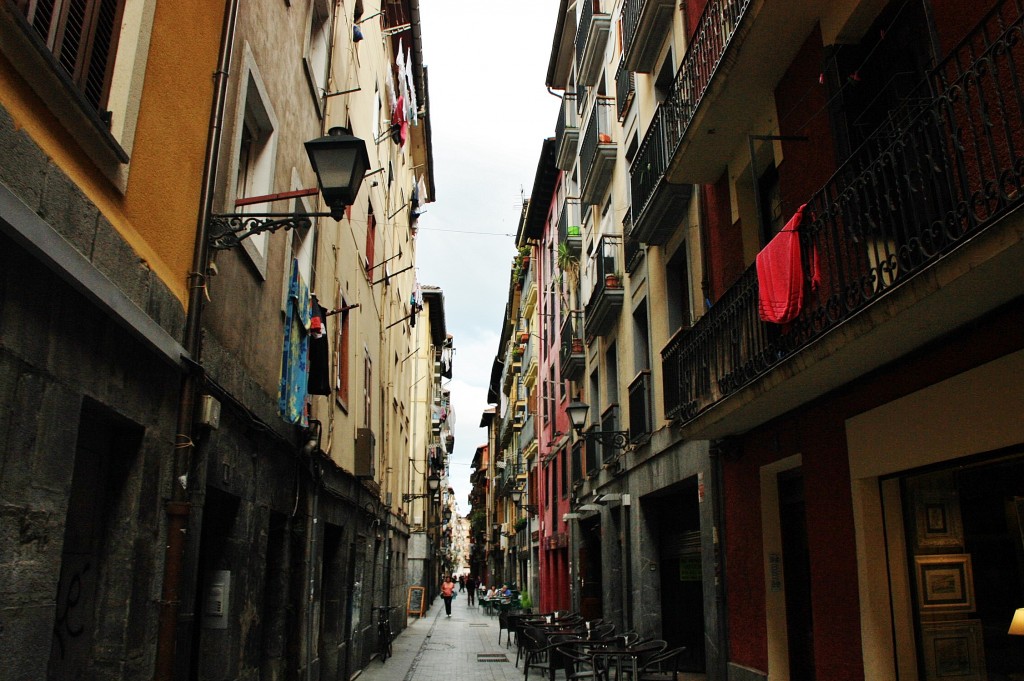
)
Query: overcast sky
[{"x": 489, "y": 113}]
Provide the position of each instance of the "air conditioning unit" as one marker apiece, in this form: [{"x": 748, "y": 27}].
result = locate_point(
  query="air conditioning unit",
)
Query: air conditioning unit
[{"x": 365, "y": 453}]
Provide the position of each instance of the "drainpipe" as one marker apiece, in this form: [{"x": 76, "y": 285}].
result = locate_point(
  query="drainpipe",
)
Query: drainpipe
[{"x": 177, "y": 508}]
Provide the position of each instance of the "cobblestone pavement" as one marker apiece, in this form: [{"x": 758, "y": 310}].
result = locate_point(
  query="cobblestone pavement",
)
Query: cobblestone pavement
[{"x": 438, "y": 648}]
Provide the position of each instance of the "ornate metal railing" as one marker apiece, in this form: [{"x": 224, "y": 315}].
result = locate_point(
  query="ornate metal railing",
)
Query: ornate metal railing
[
  {"x": 625, "y": 88},
  {"x": 948, "y": 167},
  {"x": 631, "y": 10},
  {"x": 568, "y": 119},
  {"x": 577, "y": 463},
  {"x": 715, "y": 28},
  {"x": 631, "y": 245},
  {"x": 597, "y": 132}
]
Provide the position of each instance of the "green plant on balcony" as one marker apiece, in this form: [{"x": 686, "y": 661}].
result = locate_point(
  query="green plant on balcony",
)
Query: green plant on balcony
[
  {"x": 521, "y": 524},
  {"x": 568, "y": 263}
]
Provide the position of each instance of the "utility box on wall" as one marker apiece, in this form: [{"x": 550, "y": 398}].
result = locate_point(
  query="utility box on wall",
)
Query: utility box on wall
[{"x": 365, "y": 453}]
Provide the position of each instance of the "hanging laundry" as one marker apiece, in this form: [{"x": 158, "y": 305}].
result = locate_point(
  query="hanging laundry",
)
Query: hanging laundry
[
  {"x": 399, "y": 126},
  {"x": 291, "y": 396},
  {"x": 780, "y": 274},
  {"x": 319, "y": 352},
  {"x": 447, "y": 353},
  {"x": 410, "y": 101}
]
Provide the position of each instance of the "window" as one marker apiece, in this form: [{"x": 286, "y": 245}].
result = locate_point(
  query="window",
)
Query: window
[
  {"x": 254, "y": 153},
  {"x": 677, "y": 275},
  {"x": 317, "y": 54},
  {"x": 93, "y": 54},
  {"x": 82, "y": 35}
]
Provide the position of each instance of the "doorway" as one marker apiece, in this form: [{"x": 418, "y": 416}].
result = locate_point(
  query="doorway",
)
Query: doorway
[{"x": 796, "y": 575}]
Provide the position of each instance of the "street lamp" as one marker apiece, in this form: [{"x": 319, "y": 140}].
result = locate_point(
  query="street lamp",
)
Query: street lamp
[
  {"x": 433, "y": 484},
  {"x": 340, "y": 162},
  {"x": 517, "y": 496},
  {"x": 613, "y": 439}
]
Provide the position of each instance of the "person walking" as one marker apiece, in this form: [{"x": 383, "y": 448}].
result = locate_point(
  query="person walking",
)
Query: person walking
[
  {"x": 447, "y": 592},
  {"x": 462, "y": 583},
  {"x": 471, "y": 589}
]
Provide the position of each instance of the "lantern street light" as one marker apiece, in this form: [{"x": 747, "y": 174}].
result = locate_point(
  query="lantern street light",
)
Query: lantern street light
[
  {"x": 433, "y": 485},
  {"x": 340, "y": 162},
  {"x": 614, "y": 439}
]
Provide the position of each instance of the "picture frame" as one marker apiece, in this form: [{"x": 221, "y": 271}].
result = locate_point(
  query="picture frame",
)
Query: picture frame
[
  {"x": 945, "y": 583},
  {"x": 937, "y": 520},
  {"x": 953, "y": 650}
]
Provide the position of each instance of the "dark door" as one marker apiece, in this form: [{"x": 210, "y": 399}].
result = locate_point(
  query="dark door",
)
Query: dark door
[{"x": 796, "y": 566}]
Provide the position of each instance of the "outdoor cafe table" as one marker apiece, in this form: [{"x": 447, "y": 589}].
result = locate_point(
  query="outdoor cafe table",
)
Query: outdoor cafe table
[{"x": 609, "y": 654}]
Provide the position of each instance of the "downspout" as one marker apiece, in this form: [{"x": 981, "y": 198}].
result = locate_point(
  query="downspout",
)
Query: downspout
[{"x": 178, "y": 507}]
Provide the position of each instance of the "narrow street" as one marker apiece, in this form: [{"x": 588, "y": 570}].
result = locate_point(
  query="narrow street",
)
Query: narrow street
[{"x": 436, "y": 648}]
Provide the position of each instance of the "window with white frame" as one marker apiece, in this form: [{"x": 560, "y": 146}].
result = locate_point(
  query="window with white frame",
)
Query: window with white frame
[
  {"x": 254, "y": 155},
  {"x": 99, "y": 48},
  {"x": 318, "y": 45}
]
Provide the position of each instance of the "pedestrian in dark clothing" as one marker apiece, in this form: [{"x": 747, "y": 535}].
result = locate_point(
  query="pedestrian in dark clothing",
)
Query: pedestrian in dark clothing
[
  {"x": 471, "y": 588},
  {"x": 462, "y": 583}
]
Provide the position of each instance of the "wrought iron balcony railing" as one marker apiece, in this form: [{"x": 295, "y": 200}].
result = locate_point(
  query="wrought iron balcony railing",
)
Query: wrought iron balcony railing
[
  {"x": 597, "y": 152},
  {"x": 571, "y": 355},
  {"x": 607, "y": 296},
  {"x": 591, "y": 37},
  {"x": 940, "y": 173},
  {"x": 715, "y": 28},
  {"x": 631, "y": 245},
  {"x": 570, "y": 225},
  {"x": 567, "y": 132},
  {"x": 645, "y": 24},
  {"x": 625, "y": 88}
]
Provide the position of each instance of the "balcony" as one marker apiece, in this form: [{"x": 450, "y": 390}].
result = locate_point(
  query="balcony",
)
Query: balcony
[
  {"x": 640, "y": 407},
  {"x": 932, "y": 200},
  {"x": 645, "y": 26},
  {"x": 570, "y": 225},
  {"x": 572, "y": 358},
  {"x": 609, "y": 424},
  {"x": 597, "y": 152},
  {"x": 591, "y": 40},
  {"x": 625, "y": 89},
  {"x": 633, "y": 248},
  {"x": 567, "y": 133},
  {"x": 608, "y": 294},
  {"x": 529, "y": 432}
]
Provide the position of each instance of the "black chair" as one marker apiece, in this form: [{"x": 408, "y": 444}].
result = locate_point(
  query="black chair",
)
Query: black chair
[
  {"x": 662, "y": 666},
  {"x": 541, "y": 652}
]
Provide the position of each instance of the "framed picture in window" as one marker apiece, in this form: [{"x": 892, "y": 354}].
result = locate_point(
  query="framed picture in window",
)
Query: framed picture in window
[
  {"x": 945, "y": 583},
  {"x": 953, "y": 651},
  {"x": 937, "y": 520}
]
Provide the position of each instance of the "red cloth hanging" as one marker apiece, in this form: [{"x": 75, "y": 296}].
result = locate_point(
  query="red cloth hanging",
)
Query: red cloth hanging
[{"x": 780, "y": 274}]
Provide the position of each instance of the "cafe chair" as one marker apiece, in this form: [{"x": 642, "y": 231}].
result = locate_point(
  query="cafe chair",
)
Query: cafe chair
[
  {"x": 541, "y": 652},
  {"x": 663, "y": 666}
]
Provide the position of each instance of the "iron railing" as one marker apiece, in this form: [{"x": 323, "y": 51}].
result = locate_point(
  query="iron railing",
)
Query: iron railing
[
  {"x": 603, "y": 447},
  {"x": 640, "y": 412},
  {"x": 625, "y": 88},
  {"x": 605, "y": 263},
  {"x": 631, "y": 10},
  {"x": 568, "y": 119},
  {"x": 598, "y": 132},
  {"x": 571, "y": 357},
  {"x": 631, "y": 245},
  {"x": 715, "y": 28},
  {"x": 945, "y": 169},
  {"x": 570, "y": 224}
]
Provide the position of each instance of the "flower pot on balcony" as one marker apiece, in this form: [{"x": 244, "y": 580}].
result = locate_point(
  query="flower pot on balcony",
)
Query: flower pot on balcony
[
  {"x": 577, "y": 346},
  {"x": 612, "y": 281}
]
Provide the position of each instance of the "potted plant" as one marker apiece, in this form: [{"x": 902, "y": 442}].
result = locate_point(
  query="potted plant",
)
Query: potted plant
[
  {"x": 568, "y": 262},
  {"x": 612, "y": 280}
]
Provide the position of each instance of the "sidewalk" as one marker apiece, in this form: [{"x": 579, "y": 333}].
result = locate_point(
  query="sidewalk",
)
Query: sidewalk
[{"x": 438, "y": 648}]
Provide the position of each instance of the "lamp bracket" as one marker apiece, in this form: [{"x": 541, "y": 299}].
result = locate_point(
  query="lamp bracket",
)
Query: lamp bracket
[
  {"x": 613, "y": 439},
  {"x": 229, "y": 230}
]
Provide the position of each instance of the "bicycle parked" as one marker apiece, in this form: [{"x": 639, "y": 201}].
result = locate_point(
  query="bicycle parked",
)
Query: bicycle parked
[{"x": 384, "y": 633}]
